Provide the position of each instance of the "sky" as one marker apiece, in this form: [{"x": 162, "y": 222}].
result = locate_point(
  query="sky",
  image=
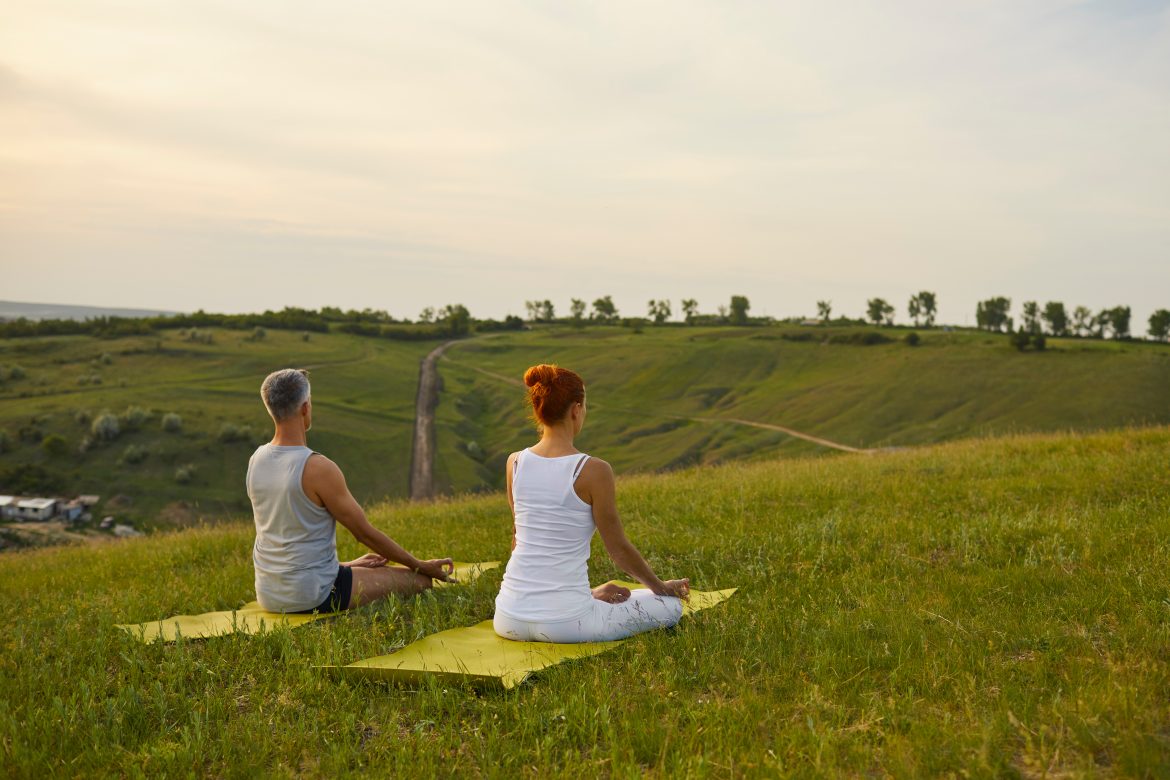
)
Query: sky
[{"x": 184, "y": 154}]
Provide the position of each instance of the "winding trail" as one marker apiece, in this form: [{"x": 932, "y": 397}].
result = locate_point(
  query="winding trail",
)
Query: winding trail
[
  {"x": 705, "y": 420},
  {"x": 422, "y": 453}
]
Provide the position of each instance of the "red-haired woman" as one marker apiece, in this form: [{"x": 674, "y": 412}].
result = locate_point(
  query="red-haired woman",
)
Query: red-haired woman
[{"x": 559, "y": 496}]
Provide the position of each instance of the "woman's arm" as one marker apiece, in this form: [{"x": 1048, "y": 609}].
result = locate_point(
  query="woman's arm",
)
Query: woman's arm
[
  {"x": 509, "y": 467},
  {"x": 324, "y": 482},
  {"x": 596, "y": 486}
]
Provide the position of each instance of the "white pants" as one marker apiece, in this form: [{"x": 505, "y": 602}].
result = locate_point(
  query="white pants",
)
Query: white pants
[{"x": 643, "y": 611}]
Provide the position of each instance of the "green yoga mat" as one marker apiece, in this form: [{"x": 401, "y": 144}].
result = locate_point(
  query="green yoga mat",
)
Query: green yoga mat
[
  {"x": 476, "y": 655},
  {"x": 254, "y": 619}
]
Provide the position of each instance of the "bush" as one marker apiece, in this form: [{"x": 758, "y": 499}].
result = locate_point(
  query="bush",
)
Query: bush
[
  {"x": 16, "y": 372},
  {"x": 83, "y": 380},
  {"x": 106, "y": 359},
  {"x": 1039, "y": 343},
  {"x": 912, "y": 339},
  {"x": 54, "y": 445},
  {"x": 1020, "y": 339},
  {"x": 866, "y": 339},
  {"x": 259, "y": 334},
  {"x": 5, "y": 441},
  {"x": 83, "y": 417},
  {"x": 133, "y": 454},
  {"x": 172, "y": 423},
  {"x": 229, "y": 432},
  {"x": 134, "y": 417},
  {"x": 184, "y": 474},
  {"x": 106, "y": 427},
  {"x": 85, "y": 445}
]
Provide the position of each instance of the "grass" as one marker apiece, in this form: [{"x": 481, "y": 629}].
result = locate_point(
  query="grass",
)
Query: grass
[
  {"x": 992, "y": 607},
  {"x": 642, "y": 386},
  {"x": 954, "y": 385},
  {"x": 363, "y": 413}
]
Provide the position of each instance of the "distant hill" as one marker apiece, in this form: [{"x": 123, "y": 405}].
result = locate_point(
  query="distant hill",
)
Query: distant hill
[{"x": 13, "y": 310}]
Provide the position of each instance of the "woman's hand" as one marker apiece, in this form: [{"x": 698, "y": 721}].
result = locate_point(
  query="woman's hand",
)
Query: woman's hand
[
  {"x": 680, "y": 589},
  {"x": 439, "y": 569},
  {"x": 367, "y": 561},
  {"x": 611, "y": 592}
]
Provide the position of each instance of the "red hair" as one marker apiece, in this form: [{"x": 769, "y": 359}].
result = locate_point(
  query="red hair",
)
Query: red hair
[{"x": 551, "y": 391}]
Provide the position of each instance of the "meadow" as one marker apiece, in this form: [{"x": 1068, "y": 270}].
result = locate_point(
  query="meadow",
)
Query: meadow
[
  {"x": 661, "y": 399},
  {"x": 989, "y": 607}
]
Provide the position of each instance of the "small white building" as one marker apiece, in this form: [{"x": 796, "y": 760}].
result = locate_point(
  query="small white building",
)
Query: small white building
[
  {"x": 7, "y": 507},
  {"x": 71, "y": 511},
  {"x": 36, "y": 508}
]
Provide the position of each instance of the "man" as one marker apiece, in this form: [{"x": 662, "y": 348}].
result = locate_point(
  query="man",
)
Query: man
[{"x": 298, "y": 496}]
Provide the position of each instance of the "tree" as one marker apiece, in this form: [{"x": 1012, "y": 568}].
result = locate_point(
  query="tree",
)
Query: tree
[
  {"x": 1119, "y": 321},
  {"x": 1056, "y": 317},
  {"x": 1020, "y": 339},
  {"x": 690, "y": 309},
  {"x": 427, "y": 315},
  {"x": 457, "y": 319},
  {"x": 992, "y": 314},
  {"x": 546, "y": 311},
  {"x": 1083, "y": 321},
  {"x": 604, "y": 310},
  {"x": 824, "y": 310},
  {"x": 533, "y": 309},
  {"x": 914, "y": 309},
  {"x": 1101, "y": 322},
  {"x": 879, "y": 311},
  {"x": 1160, "y": 325},
  {"x": 739, "y": 310},
  {"x": 577, "y": 312},
  {"x": 927, "y": 307},
  {"x": 106, "y": 427},
  {"x": 1031, "y": 317},
  {"x": 659, "y": 311}
]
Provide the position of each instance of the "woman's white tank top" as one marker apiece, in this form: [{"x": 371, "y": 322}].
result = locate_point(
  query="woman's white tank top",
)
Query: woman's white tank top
[{"x": 547, "y": 578}]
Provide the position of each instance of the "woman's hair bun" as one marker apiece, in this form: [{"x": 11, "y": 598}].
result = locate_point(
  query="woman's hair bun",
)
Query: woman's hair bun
[{"x": 544, "y": 374}]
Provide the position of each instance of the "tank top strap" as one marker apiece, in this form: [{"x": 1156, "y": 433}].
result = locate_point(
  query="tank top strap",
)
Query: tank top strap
[{"x": 580, "y": 465}]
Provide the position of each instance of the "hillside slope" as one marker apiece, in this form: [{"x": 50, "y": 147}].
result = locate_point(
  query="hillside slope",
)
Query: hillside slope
[{"x": 993, "y": 607}]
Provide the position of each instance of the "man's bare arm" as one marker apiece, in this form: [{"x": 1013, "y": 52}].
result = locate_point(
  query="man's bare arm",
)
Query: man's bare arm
[{"x": 324, "y": 483}]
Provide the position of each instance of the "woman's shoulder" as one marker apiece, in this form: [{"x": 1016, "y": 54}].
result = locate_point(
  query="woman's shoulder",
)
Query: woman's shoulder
[{"x": 596, "y": 467}]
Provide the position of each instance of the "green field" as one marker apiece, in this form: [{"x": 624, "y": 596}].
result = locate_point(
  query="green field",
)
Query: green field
[
  {"x": 364, "y": 392},
  {"x": 996, "y": 607},
  {"x": 647, "y": 388},
  {"x": 644, "y": 388}
]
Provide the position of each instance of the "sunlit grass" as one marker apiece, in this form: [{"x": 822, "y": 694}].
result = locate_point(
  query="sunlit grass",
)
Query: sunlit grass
[{"x": 990, "y": 607}]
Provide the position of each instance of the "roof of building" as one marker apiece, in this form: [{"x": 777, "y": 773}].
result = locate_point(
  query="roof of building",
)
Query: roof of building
[
  {"x": 36, "y": 503},
  {"x": 7, "y": 500}
]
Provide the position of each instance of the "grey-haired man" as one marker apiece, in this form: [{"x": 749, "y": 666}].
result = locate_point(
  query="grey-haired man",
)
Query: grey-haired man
[{"x": 298, "y": 496}]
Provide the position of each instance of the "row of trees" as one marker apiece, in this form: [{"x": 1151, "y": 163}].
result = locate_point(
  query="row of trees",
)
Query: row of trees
[
  {"x": 604, "y": 311},
  {"x": 1054, "y": 319}
]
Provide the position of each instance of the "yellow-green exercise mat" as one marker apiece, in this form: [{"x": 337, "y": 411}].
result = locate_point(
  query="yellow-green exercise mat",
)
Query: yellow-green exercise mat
[
  {"x": 475, "y": 654},
  {"x": 254, "y": 619}
]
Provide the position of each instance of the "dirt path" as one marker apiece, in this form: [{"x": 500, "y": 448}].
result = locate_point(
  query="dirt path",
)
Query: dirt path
[
  {"x": 706, "y": 420},
  {"x": 422, "y": 453}
]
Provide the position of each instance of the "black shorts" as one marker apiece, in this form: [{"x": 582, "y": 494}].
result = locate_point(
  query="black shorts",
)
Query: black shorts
[{"x": 338, "y": 598}]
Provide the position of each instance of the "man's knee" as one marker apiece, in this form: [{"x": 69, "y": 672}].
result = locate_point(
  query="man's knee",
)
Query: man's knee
[{"x": 422, "y": 581}]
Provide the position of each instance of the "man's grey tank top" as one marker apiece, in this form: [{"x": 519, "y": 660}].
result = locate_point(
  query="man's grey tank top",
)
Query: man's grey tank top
[{"x": 295, "y": 553}]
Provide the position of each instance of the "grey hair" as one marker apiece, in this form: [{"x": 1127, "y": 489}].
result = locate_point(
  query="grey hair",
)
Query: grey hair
[{"x": 284, "y": 391}]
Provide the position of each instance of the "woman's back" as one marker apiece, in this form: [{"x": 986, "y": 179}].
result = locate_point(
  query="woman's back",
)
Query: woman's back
[{"x": 547, "y": 578}]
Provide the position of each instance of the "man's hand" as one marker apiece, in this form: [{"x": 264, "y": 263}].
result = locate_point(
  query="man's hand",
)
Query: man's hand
[
  {"x": 367, "y": 561},
  {"x": 439, "y": 569},
  {"x": 611, "y": 592}
]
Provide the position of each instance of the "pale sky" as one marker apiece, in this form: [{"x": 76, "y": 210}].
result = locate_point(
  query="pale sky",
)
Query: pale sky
[{"x": 237, "y": 156}]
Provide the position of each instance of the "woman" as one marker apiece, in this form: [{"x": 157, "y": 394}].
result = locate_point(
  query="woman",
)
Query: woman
[{"x": 559, "y": 495}]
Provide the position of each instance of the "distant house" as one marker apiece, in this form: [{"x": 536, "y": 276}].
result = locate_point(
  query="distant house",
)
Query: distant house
[
  {"x": 36, "y": 508},
  {"x": 71, "y": 511},
  {"x": 7, "y": 507},
  {"x": 89, "y": 502}
]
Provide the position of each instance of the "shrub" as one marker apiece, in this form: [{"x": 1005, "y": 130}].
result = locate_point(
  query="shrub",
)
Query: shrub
[
  {"x": 230, "y": 432},
  {"x": 184, "y": 474},
  {"x": 134, "y": 417},
  {"x": 133, "y": 454},
  {"x": 106, "y": 359},
  {"x": 5, "y": 441},
  {"x": 259, "y": 334},
  {"x": 54, "y": 445},
  {"x": 83, "y": 379},
  {"x": 83, "y": 417},
  {"x": 1039, "y": 343},
  {"x": 16, "y": 372},
  {"x": 85, "y": 445},
  {"x": 105, "y": 427},
  {"x": 1020, "y": 339},
  {"x": 912, "y": 339},
  {"x": 305, "y": 336},
  {"x": 95, "y": 379},
  {"x": 172, "y": 423}
]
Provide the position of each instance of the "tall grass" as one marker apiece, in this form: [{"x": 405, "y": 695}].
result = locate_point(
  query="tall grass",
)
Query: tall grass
[{"x": 995, "y": 607}]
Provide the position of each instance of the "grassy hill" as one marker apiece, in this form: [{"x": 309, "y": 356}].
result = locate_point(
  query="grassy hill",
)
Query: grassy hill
[
  {"x": 364, "y": 391},
  {"x": 643, "y": 386},
  {"x": 660, "y": 399},
  {"x": 991, "y": 607}
]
